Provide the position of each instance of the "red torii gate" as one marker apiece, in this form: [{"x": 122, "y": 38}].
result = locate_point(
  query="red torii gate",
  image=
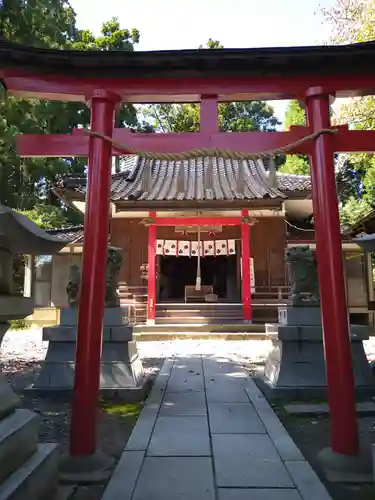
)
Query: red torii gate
[{"x": 35, "y": 73}]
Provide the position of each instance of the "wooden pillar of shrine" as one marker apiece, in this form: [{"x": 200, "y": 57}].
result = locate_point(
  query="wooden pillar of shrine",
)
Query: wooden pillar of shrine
[
  {"x": 92, "y": 290},
  {"x": 246, "y": 274},
  {"x": 335, "y": 319},
  {"x": 151, "y": 269}
]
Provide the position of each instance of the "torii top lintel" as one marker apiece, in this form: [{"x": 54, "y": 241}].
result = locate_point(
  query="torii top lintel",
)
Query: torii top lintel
[{"x": 187, "y": 75}]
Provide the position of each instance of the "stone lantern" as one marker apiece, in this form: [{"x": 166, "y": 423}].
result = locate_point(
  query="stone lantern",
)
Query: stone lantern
[{"x": 28, "y": 469}]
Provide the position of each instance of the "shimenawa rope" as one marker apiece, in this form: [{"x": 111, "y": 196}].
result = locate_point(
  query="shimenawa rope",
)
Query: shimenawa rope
[{"x": 210, "y": 152}]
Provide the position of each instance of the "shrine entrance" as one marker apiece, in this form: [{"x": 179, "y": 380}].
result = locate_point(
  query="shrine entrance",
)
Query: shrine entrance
[{"x": 218, "y": 272}]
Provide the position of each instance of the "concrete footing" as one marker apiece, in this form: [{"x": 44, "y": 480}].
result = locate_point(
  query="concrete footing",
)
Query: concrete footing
[
  {"x": 347, "y": 469},
  {"x": 96, "y": 468},
  {"x": 121, "y": 371}
]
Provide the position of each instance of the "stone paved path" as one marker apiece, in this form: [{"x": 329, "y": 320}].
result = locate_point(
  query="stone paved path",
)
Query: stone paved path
[{"x": 207, "y": 433}]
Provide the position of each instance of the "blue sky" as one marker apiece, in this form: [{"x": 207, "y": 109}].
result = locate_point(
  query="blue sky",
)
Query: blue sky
[{"x": 186, "y": 24}]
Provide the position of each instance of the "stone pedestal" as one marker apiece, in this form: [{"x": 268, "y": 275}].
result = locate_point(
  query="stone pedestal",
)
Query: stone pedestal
[
  {"x": 27, "y": 469},
  {"x": 121, "y": 370},
  {"x": 295, "y": 368}
]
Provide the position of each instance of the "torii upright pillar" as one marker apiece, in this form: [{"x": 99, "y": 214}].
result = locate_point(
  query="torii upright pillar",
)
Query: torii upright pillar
[
  {"x": 92, "y": 291},
  {"x": 339, "y": 370}
]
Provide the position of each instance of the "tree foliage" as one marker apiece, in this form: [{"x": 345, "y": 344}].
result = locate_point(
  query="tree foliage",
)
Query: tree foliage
[
  {"x": 295, "y": 164},
  {"x": 52, "y": 24},
  {"x": 353, "y": 210},
  {"x": 46, "y": 216},
  {"x": 239, "y": 116},
  {"x": 353, "y": 21}
]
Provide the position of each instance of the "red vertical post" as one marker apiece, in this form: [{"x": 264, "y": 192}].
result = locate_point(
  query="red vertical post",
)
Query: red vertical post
[
  {"x": 151, "y": 269},
  {"x": 92, "y": 290},
  {"x": 246, "y": 279},
  {"x": 339, "y": 369},
  {"x": 209, "y": 119}
]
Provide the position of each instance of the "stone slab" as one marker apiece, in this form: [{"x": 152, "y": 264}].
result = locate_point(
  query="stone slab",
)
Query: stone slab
[
  {"x": 248, "y": 461},
  {"x": 222, "y": 389},
  {"x": 304, "y": 393},
  {"x": 61, "y": 333},
  {"x": 36, "y": 479},
  {"x": 141, "y": 435},
  {"x": 159, "y": 388},
  {"x": 308, "y": 484},
  {"x": 116, "y": 316},
  {"x": 180, "y": 437},
  {"x": 184, "y": 404},
  {"x": 8, "y": 399},
  {"x": 362, "y": 407},
  {"x": 263, "y": 494},
  {"x": 121, "y": 333},
  {"x": 186, "y": 378},
  {"x": 311, "y": 333},
  {"x": 174, "y": 478},
  {"x": 234, "y": 418},
  {"x": 125, "y": 476},
  {"x": 300, "y": 315},
  {"x": 67, "y": 334},
  {"x": 15, "y": 307},
  {"x": 216, "y": 365},
  {"x": 284, "y": 444},
  {"x": 18, "y": 440}
]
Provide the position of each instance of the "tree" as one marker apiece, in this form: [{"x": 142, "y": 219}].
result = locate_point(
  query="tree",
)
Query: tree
[
  {"x": 239, "y": 116},
  {"x": 353, "y": 210},
  {"x": 354, "y": 21},
  {"x": 48, "y": 23},
  {"x": 295, "y": 164},
  {"x": 46, "y": 216}
]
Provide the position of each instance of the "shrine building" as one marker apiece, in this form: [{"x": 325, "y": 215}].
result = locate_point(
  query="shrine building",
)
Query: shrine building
[{"x": 176, "y": 210}]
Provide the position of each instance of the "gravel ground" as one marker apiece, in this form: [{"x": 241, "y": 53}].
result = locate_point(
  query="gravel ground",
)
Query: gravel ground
[{"x": 22, "y": 352}]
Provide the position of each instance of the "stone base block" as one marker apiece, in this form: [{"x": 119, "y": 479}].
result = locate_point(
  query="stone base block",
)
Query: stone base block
[
  {"x": 36, "y": 479},
  {"x": 8, "y": 399},
  {"x": 274, "y": 393},
  {"x": 300, "y": 315},
  {"x": 91, "y": 469},
  {"x": 18, "y": 441},
  {"x": 310, "y": 333},
  {"x": 347, "y": 469},
  {"x": 121, "y": 370},
  {"x": 295, "y": 369},
  {"x": 116, "y": 316}
]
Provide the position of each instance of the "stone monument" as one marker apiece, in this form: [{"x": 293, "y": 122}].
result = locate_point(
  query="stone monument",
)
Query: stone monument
[
  {"x": 28, "y": 470},
  {"x": 121, "y": 373},
  {"x": 295, "y": 368}
]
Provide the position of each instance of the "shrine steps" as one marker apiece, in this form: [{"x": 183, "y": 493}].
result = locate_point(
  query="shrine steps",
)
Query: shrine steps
[
  {"x": 224, "y": 331},
  {"x": 209, "y": 314}
]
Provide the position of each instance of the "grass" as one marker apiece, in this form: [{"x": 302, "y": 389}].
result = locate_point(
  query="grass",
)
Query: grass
[{"x": 123, "y": 410}]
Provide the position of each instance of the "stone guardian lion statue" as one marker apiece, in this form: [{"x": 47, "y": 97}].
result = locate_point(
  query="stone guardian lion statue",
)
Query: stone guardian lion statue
[{"x": 303, "y": 276}]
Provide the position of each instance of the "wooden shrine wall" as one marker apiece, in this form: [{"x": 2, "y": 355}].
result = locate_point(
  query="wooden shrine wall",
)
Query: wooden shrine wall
[
  {"x": 267, "y": 246},
  {"x": 132, "y": 236}
]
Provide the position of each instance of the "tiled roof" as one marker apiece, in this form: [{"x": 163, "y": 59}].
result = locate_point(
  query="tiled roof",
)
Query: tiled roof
[
  {"x": 73, "y": 234},
  {"x": 187, "y": 180}
]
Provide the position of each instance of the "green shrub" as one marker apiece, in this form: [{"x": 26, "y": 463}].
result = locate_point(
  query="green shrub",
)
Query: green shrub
[{"x": 19, "y": 324}]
